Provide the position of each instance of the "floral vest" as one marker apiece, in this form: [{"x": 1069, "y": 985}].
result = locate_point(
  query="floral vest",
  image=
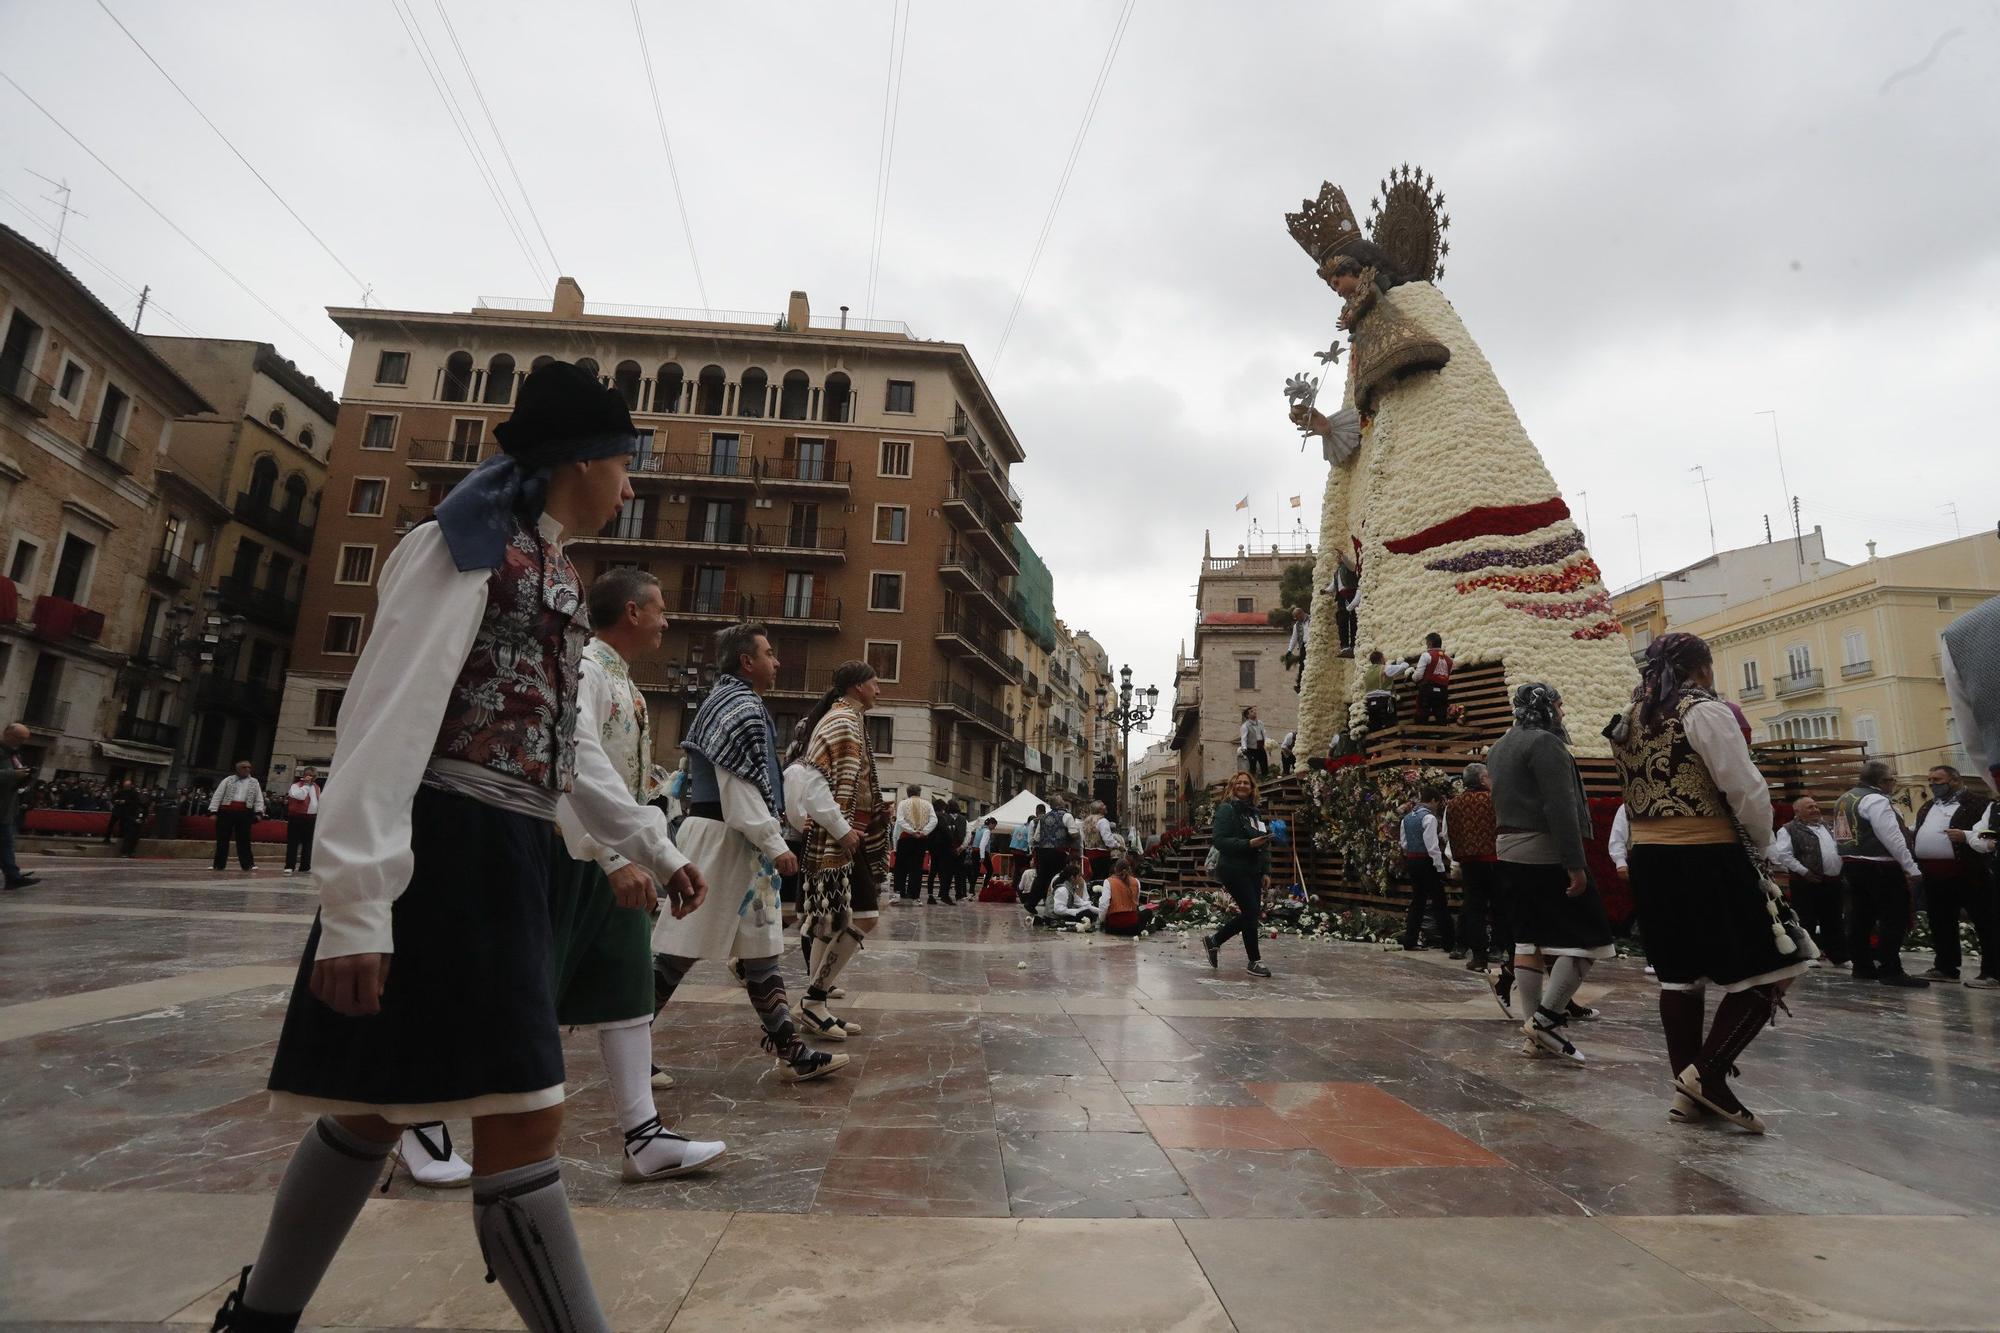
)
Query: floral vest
[
  {"x": 513, "y": 706},
  {"x": 1664, "y": 778},
  {"x": 625, "y": 734}
]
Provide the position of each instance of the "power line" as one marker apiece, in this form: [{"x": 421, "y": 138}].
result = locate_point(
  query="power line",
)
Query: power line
[
  {"x": 317, "y": 239},
  {"x": 1062, "y": 184},
  {"x": 247, "y": 289},
  {"x": 427, "y": 58},
  {"x": 885, "y": 146},
  {"x": 130, "y": 287},
  {"x": 673, "y": 172},
  {"x": 491, "y": 124}
]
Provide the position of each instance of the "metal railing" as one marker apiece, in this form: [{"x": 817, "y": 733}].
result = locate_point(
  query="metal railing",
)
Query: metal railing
[
  {"x": 271, "y": 606},
  {"x": 107, "y": 446},
  {"x": 446, "y": 453},
  {"x": 709, "y": 466},
  {"x": 965, "y": 701},
  {"x": 982, "y": 641},
  {"x": 145, "y": 731},
  {"x": 260, "y": 514},
  {"x": 695, "y": 602},
  {"x": 173, "y": 568},
  {"x": 1849, "y": 670},
  {"x": 784, "y": 607},
  {"x": 1750, "y": 693},
  {"x": 27, "y": 388},
  {"x": 1801, "y": 682},
  {"x": 790, "y": 538},
  {"x": 960, "y": 558},
  {"x": 806, "y": 471}
]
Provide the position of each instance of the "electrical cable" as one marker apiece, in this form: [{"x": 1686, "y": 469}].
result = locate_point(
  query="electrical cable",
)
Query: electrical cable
[
  {"x": 885, "y": 147},
  {"x": 71, "y": 247},
  {"x": 673, "y": 172}
]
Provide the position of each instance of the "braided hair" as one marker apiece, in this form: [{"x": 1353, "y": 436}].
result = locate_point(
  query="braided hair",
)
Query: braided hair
[{"x": 845, "y": 677}]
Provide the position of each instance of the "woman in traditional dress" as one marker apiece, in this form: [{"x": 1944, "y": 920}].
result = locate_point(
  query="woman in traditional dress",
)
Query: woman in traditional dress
[
  {"x": 847, "y": 843},
  {"x": 1706, "y": 910},
  {"x": 1541, "y": 819}
]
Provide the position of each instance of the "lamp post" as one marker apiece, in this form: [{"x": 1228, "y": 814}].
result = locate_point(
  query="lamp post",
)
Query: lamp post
[{"x": 1133, "y": 709}]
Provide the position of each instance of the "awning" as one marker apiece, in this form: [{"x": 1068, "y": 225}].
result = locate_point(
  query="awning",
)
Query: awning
[
  {"x": 136, "y": 754},
  {"x": 1032, "y": 760}
]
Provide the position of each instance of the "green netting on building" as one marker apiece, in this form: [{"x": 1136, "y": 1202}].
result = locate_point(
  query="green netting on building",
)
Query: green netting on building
[{"x": 1034, "y": 595}]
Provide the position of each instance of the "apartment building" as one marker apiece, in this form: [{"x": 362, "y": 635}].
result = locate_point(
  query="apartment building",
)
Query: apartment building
[
  {"x": 844, "y": 482},
  {"x": 260, "y": 455},
  {"x": 87, "y": 485}
]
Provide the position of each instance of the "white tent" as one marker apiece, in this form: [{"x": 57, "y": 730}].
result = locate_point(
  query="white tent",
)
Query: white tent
[{"x": 1016, "y": 812}]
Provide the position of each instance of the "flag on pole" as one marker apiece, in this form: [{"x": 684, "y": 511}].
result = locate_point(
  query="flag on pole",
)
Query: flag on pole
[
  {"x": 1244, "y": 503},
  {"x": 1295, "y": 502}
]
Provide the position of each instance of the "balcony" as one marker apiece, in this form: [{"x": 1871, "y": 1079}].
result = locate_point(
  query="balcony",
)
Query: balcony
[
  {"x": 25, "y": 390},
  {"x": 800, "y": 542},
  {"x": 820, "y": 612},
  {"x": 969, "y": 451},
  {"x": 171, "y": 567},
  {"x": 408, "y": 517},
  {"x": 694, "y": 605},
  {"x": 270, "y": 607},
  {"x": 109, "y": 449},
  {"x": 259, "y": 513},
  {"x": 965, "y": 572},
  {"x": 970, "y": 515},
  {"x": 448, "y": 458},
  {"x": 648, "y": 529},
  {"x": 962, "y": 634},
  {"x": 1750, "y": 693},
  {"x": 962, "y": 701},
  {"x": 1856, "y": 670},
  {"x": 57, "y": 619},
  {"x": 794, "y": 682},
  {"x": 730, "y": 470},
  {"x": 213, "y": 692},
  {"x": 46, "y": 715},
  {"x": 1801, "y": 682},
  {"x": 820, "y": 476},
  {"x": 142, "y": 731}
]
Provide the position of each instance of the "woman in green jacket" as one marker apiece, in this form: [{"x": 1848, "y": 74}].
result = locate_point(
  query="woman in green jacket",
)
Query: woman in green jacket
[{"x": 1243, "y": 840}]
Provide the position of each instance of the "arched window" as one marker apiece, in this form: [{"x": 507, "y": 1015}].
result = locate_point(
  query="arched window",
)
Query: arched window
[
  {"x": 667, "y": 388},
  {"x": 457, "y": 378},
  {"x": 837, "y": 400},
  {"x": 794, "y": 396},
  {"x": 499, "y": 380},
  {"x": 263, "y": 479},
  {"x": 626, "y": 380},
  {"x": 539, "y": 362},
  {"x": 588, "y": 365},
  {"x": 295, "y": 495},
  {"x": 708, "y": 387},
  {"x": 277, "y": 417},
  {"x": 750, "y": 395},
  {"x": 306, "y": 438}
]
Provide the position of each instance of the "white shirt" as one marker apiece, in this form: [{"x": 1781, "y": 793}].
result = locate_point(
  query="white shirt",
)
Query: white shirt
[
  {"x": 427, "y": 615},
  {"x": 808, "y": 797},
  {"x": 1423, "y": 666},
  {"x": 1251, "y": 737},
  {"x": 1395, "y": 670},
  {"x": 1881, "y": 817},
  {"x": 981, "y": 841},
  {"x": 1107, "y": 834},
  {"x": 1982, "y": 836},
  {"x": 1782, "y": 855},
  {"x": 1429, "y": 823},
  {"x": 1619, "y": 845},
  {"x": 247, "y": 790},
  {"x": 1932, "y": 845},
  {"x": 307, "y": 792},
  {"x": 744, "y": 811},
  {"x": 598, "y": 782},
  {"x": 1712, "y": 732},
  {"x": 1073, "y": 900},
  {"x": 1969, "y": 729}
]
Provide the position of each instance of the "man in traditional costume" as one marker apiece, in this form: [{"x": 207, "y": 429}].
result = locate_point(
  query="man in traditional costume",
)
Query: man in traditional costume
[
  {"x": 456, "y": 742},
  {"x": 599, "y": 899},
  {"x": 735, "y": 832},
  {"x": 847, "y": 843},
  {"x": 1701, "y": 820}
]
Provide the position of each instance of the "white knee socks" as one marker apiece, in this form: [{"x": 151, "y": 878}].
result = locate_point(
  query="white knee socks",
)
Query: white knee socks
[
  {"x": 628, "y": 1065},
  {"x": 1528, "y": 989},
  {"x": 1564, "y": 977}
]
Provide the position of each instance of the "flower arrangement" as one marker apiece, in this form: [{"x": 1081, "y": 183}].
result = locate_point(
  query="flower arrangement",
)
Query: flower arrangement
[
  {"x": 1354, "y": 814},
  {"x": 1567, "y": 579}
]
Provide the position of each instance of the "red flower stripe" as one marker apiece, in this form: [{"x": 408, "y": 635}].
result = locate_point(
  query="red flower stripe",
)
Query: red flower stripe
[
  {"x": 1603, "y": 629},
  {"x": 1595, "y": 604},
  {"x": 1484, "y": 521},
  {"x": 1561, "y": 580}
]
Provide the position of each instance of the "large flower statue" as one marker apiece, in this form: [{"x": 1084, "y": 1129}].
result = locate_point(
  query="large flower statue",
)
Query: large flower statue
[{"x": 1447, "y": 507}]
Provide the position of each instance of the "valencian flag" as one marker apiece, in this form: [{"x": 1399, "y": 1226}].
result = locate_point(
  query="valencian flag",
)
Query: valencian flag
[{"x": 1244, "y": 503}]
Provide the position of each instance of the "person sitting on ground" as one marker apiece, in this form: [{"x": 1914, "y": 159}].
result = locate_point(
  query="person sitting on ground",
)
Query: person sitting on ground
[
  {"x": 1123, "y": 913},
  {"x": 1073, "y": 903}
]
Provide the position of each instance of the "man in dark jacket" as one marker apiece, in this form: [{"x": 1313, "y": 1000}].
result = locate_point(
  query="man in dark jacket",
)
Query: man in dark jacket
[
  {"x": 944, "y": 844},
  {"x": 15, "y": 774},
  {"x": 1954, "y": 872},
  {"x": 128, "y": 816}
]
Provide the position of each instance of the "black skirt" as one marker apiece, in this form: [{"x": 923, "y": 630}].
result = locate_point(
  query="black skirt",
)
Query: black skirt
[
  {"x": 1703, "y": 917},
  {"x": 468, "y": 1019},
  {"x": 1547, "y": 919}
]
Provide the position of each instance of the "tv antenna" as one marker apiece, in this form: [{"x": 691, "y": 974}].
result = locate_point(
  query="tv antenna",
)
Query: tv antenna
[{"x": 61, "y": 188}]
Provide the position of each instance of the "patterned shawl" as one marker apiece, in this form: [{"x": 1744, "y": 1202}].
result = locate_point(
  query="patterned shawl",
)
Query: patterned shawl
[
  {"x": 733, "y": 731},
  {"x": 1663, "y": 678},
  {"x": 1535, "y": 709},
  {"x": 839, "y": 750}
]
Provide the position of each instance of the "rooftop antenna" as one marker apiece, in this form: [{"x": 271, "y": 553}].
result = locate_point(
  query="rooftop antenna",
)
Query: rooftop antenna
[
  {"x": 1585, "y": 497},
  {"x": 1953, "y": 508},
  {"x": 1779, "y": 445},
  {"x": 62, "y": 188},
  {"x": 1637, "y": 544},
  {"x": 1701, "y": 472}
]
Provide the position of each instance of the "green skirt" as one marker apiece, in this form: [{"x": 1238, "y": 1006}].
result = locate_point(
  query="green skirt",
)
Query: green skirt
[{"x": 603, "y": 953}]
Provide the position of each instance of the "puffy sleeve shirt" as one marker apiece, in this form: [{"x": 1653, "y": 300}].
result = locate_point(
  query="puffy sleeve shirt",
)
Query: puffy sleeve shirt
[{"x": 600, "y": 817}]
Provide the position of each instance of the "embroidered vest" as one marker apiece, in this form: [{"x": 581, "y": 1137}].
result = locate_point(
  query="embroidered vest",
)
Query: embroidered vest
[
  {"x": 1469, "y": 816},
  {"x": 513, "y": 706},
  {"x": 625, "y": 733},
  {"x": 1664, "y": 778},
  {"x": 1853, "y": 835}
]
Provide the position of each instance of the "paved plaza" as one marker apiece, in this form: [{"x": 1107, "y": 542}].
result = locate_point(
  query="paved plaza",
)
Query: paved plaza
[{"x": 1036, "y": 1132}]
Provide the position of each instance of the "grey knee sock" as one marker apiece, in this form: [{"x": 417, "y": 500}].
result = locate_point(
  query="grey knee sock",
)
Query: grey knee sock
[
  {"x": 1527, "y": 989},
  {"x": 529, "y": 1242},
  {"x": 319, "y": 1198},
  {"x": 1564, "y": 977}
]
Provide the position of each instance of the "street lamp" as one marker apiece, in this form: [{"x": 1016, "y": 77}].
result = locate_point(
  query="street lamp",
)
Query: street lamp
[
  {"x": 1133, "y": 710},
  {"x": 201, "y": 637}
]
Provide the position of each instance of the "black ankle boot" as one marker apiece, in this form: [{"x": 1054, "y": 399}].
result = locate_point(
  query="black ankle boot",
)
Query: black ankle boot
[{"x": 235, "y": 1315}]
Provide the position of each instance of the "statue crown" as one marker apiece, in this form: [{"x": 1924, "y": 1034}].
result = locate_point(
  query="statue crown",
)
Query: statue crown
[{"x": 1321, "y": 225}]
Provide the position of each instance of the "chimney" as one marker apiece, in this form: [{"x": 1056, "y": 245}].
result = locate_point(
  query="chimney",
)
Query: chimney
[
  {"x": 843, "y": 317},
  {"x": 569, "y": 299},
  {"x": 798, "y": 312}
]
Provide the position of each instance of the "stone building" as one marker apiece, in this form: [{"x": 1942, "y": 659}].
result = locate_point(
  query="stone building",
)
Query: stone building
[
  {"x": 87, "y": 418},
  {"x": 1661, "y": 602},
  {"x": 1156, "y": 791},
  {"x": 1237, "y": 663},
  {"x": 261, "y": 455},
  {"x": 847, "y": 484}
]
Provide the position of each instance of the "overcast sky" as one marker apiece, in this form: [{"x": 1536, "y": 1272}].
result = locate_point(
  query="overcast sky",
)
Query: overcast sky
[{"x": 1665, "y": 219}]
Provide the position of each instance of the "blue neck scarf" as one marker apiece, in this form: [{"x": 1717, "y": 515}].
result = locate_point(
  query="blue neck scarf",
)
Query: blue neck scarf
[{"x": 478, "y": 517}]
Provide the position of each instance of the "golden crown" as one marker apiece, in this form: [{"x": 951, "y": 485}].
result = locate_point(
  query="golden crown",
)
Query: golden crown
[{"x": 1322, "y": 225}]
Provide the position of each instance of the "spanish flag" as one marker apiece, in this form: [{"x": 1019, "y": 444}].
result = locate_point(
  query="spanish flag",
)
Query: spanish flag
[{"x": 1244, "y": 503}]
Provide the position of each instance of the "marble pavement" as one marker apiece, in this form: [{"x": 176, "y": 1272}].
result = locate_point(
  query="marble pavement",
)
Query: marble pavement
[{"x": 1109, "y": 1137}]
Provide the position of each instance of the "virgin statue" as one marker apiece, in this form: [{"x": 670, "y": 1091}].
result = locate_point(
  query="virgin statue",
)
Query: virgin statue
[{"x": 1436, "y": 493}]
